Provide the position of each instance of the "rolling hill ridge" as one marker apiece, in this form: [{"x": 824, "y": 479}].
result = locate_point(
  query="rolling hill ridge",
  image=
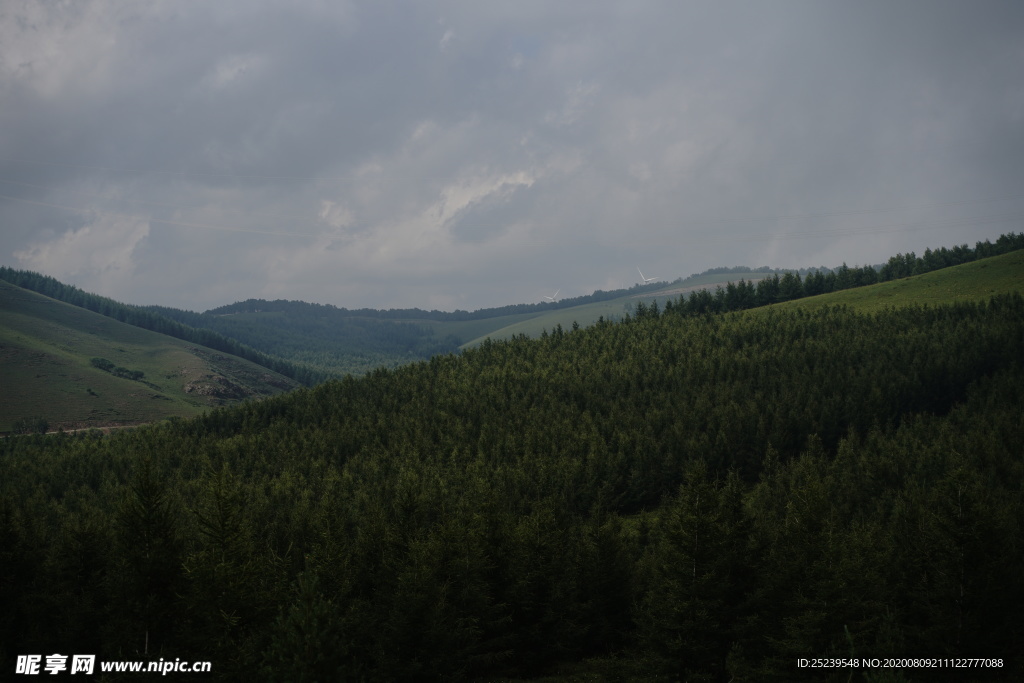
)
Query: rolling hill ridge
[
  {"x": 75, "y": 368},
  {"x": 72, "y": 368}
]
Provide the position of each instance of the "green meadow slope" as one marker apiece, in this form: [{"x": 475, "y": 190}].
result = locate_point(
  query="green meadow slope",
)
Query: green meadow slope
[
  {"x": 975, "y": 281},
  {"x": 46, "y": 363}
]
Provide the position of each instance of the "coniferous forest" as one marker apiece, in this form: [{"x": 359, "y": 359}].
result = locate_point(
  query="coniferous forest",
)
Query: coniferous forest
[{"x": 677, "y": 496}]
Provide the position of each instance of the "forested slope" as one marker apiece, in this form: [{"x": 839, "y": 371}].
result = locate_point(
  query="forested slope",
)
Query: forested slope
[
  {"x": 328, "y": 340},
  {"x": 704, "y": 497}
]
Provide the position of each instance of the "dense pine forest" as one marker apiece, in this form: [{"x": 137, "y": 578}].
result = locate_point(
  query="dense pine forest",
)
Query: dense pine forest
[{"x": 683, "y": 495}]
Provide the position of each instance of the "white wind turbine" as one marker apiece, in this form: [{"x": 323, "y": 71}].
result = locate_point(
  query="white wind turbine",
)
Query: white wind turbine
[
  {"x": 552, "y": 298},
  {"x": 645, "y": 279}
]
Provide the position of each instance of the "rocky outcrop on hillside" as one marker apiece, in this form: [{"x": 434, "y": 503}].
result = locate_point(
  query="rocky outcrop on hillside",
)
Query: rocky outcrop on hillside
[{"x": 216, "y": 386}]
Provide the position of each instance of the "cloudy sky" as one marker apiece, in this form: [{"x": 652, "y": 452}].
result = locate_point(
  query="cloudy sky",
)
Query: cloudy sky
[{"x": 460, "y": 154}]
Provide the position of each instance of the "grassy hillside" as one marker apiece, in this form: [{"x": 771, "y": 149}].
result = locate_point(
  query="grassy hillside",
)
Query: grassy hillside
[
  {"x": 975, "y": 281},
  {"x": 534, "y": 324},
  {"x": 46, "y": 352},
  {"x": 340, "y": 341}
]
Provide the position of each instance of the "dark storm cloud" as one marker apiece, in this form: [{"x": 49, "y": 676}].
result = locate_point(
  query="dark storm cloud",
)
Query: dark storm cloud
[{"x": 452, "y": 154}]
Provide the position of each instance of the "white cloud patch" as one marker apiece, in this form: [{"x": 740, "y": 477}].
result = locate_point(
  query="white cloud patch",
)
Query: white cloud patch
[
  {"x": 54, "y": 47},
  {"x": 335, "y": 214},
  {"x": 446, "y": 39},
  {"x": 423, "y": 241},
  {"x": 99, "y": 254},
  {"x": 461, "y": 195},
  {"x": 234, "y": 69}
]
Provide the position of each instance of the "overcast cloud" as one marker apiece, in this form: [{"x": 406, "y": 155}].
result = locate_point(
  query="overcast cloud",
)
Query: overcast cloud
[{"x": 447, "y": 154}]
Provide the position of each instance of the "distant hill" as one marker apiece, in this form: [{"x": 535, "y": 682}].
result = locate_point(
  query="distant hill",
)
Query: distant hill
[
  {"x": 326, "y": 339},
  {"x": 67, "y": 367},
  {"x": 624, "y": 303},
  {"x": 337, "y": 341},
  {"x": 313, "y": 342}
]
